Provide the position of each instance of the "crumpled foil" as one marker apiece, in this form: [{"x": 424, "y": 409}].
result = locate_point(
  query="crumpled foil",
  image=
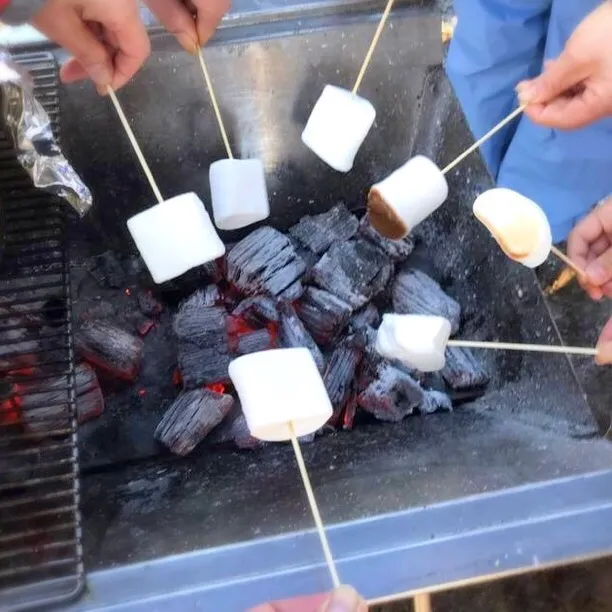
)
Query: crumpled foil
[{"x": 29, "y": 126}]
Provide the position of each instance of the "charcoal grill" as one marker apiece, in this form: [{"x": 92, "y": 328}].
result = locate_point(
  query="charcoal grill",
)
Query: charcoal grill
[
  {"x": 517, "y": 480},
  {"x": 40, "y": 548}
]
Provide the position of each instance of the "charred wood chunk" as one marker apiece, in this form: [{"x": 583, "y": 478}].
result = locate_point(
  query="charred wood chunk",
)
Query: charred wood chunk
[
  {"x": 416, "y": 293},
  {"x": 392, "y": 396},
  {"x": 435, "y": 401},
  {"x": 196, "y": 321},
  {"x": 462, "y": 370},
  {"x": 253, "y": 342},
  {"x": 366, "y": 317},
  {"x": 340, "y": 376},
  {"x": 317, "y": 233},
  {"x": 109, "y": 348},
  {"x": 293, "y": 334},
  {"x": 292, "y": 293},
  {"x": 191, "y": 418},
  {"x": 355, "y": 271},
  {"x": 148, "y": 304},
  {"x": 323, "y": 314},
  {"x": 202, "y": 365},
  {"x": 264, "y": 262},
  {"x": 235, "y": 429},
  {"x": 258, "y": 310},
  {"x": 397, "y": 250},
  {"x": 108, "y": 271}
]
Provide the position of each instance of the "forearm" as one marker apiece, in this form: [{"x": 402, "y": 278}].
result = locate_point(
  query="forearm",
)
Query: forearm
[{"x": 18, "y": 12}]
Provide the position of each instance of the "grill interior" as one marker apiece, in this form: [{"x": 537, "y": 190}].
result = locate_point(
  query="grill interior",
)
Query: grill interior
[{"x": 40, "y": 548}]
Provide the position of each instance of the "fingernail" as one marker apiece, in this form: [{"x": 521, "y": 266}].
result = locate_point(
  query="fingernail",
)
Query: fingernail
[
  {"x": 343, "y": 599},
  {"x": 525, "y": 92},
  {"x": 187, "y": 43},
  {"x": 597, "y": 273},
  {"x": 101, "y": 74}
]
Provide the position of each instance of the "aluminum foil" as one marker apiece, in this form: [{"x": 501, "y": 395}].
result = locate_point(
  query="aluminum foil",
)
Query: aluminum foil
[{"x": 29, "y": 126}]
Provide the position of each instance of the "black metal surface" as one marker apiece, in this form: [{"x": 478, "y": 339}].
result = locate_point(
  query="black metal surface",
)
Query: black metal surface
[{"x": 40, "y": 537}]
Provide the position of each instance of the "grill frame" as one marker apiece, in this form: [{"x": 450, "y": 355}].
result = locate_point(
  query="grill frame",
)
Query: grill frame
[{"x": 41, "y": 555}]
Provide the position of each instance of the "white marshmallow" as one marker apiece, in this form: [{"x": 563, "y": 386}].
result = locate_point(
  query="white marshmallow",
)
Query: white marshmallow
[
  {"x": 277, "y": 387},
  {"x": 238, "y": 192},
  {"x": 407, "y": 196},
  {"x": 517, "y": 223},
  {"x": 175, "y": 236},
  {"x": 418, "y": 341},
  {"x": 337, "y": 127}
]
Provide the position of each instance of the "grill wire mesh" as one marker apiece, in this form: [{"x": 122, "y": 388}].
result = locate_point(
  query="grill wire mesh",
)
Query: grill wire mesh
[{"x": 40, "y": 532}]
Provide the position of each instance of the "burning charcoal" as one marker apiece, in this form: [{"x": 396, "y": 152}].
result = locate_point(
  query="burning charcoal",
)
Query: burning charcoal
[
  {"x": 323, "y": 314},
  {"x": 354, "y": 271},
  {"x": 416, "y": 293},
  {"x": 397, "y": 250},
  {"x": 435, "y": 401},
  {"x": 264, "y": 262},
  {"x": 148, "y": 305},
  {"x": 145, "y": 327},
  {"x": 366, "y": 317},
  {"x": 392, "y": 396},
  {"x": 108, "y": 271},
  {"x": 292, "y": 293},
  {"x": 258, "y": 310},
  {"x": 259, "y": 340},
  {"x": 190, "y": 418},
  {"x": 462, "y": 371},
  {"x": 340, "y": 374},
  {"x": 196, "y": 321},
  {"x": 293, "y": 334},
  {"x": 109, "y": 348},
  {"x": 319, "y": 232},
  {"x": 203, "y": 365},
  {"x": 234, "y": 429}
]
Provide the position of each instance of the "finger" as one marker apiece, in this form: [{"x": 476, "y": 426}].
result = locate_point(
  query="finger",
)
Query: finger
[
  {"x": 178, "y": 20},
  {"x": 346, "y": 599},
  {"x": 604, "y": 345},
  {"x": 557, "y": 77},
  {"x": 69, "y": 31},
  {"x": 301, "y": 604},
  {"x": 606, "y": 290},
  {"x": 210, "y": 13},
  {"x": 73, "y": 71}
]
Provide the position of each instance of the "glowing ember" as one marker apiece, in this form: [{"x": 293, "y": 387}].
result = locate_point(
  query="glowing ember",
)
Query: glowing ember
[
  {"x": 128, "y": 291},
  {"x": 177, "y": 378},
  {"x": 216, "y": 388},
  {"x": 237, "y": 326},
  {"x": 142, "y": 392}
]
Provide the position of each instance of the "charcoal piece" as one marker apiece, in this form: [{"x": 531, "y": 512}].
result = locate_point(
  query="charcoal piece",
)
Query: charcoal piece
[
  {"x": 202, "y": 365},
  {"x": 317, "y": 233},
  {"x": 109, "y": 348},
  {"x": 416, "y": 293},
  {"x": 258, "y": 310},
  {"x": 340, "y": 375},
  {"x": 397, "y": 250},
  {"x": 264, "y": 262},
  {"x": 148, "y": 304},
  {"x": 190, "y": 418},
  {"x": 234, "y": 429},
  {"x": 354, "y": 271},
  {"x": 323, "y": 314},
  {"x": 198, "y": 322},
  {"x": 259, "y": 340},
  {"x": 108, "y": 271},
  {"x": 292, "y": 293},
  {"x": 308, "y": 438},
  {"x": 392, "y": 396},
  {"x": 144, "y": 327},
  {"x": 435, "y": 401},
  {"x": 366, "y": 317},
  {"x": 462, "y": 370},
  {"x": 293, "y": 334}
]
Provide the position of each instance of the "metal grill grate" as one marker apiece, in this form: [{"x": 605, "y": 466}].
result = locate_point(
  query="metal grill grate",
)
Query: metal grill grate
[{"x": 40, "y": 537}]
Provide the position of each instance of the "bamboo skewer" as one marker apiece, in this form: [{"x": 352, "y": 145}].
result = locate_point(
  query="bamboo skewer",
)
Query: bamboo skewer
[
  {"x": 535, "y": 348},
  {"x": 314, "y": 508},
  {"x": 135, "y": 145},
  {"x": 567, "y": 261}
]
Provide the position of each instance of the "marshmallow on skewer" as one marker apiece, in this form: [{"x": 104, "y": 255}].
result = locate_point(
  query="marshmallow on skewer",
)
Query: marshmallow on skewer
[
  {"x": 406, "y": 197},
  {"x": 175, "y": 236},
  {"x": 279, "y": 387},
  {"x": 418, "y": 341},
  {"x": 238, "y": 192},
  {"x": 517, "y": 223},
  {"x": 337, "y": 127}
]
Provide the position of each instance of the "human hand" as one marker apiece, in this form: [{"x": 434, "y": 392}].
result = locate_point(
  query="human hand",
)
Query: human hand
[
  {"x": 589, "y": 246},
  {"x": 343, "y": 599},
  {"x": 193, "y": 22},
  {"x": 604, "y": 345},
  {"x": 106, "y": 37},
  {"x": 576, "y": 88}
]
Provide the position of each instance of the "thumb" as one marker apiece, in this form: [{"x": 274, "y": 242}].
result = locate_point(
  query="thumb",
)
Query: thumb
[
  {"x": 604, "y": 345},
  {"x": 599, "y": 271},
  {"x": 558, "y": 76},
  {"x": 344, "y": 599}
]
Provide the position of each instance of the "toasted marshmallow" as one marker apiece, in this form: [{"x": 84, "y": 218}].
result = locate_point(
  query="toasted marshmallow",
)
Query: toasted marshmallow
[
  {"x": 406, "y": 197},
  {"x": 418, "y": 341},
  {"x": 517, "y": 223},
  {"x": 175, "y": 236},
  {"x": 279, "y": 387},
  {"x": 337, "y": 127},
  {"x": 238, "y": 192}
]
